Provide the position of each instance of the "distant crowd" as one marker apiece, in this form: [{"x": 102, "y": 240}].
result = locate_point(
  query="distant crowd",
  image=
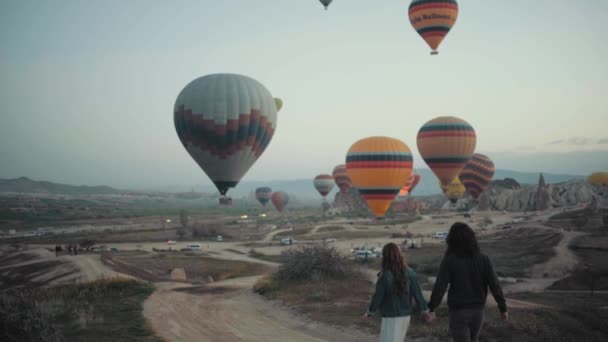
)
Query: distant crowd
[{"x": 69, "y": 249}]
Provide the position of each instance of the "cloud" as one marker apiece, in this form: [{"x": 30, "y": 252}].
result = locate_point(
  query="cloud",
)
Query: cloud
[
  {"x": 578, "y": 141},
  {"x": 556, "y": 142}
]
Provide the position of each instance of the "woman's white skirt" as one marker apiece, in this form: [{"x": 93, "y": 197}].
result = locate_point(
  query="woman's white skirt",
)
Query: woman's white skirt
[{"x": 393, "y": 329}]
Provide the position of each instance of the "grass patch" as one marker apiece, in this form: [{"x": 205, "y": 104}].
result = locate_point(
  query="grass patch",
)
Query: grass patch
[{"x": 103, "y": 310}]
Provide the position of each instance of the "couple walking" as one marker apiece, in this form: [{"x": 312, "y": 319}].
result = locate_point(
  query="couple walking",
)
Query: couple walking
[{"x": 467, "y": 271}]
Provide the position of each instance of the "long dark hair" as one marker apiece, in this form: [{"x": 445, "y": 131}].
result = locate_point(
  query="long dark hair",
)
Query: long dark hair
[
  {"x": 392, "y": 260},
  {"x": 462, "y": 241}
]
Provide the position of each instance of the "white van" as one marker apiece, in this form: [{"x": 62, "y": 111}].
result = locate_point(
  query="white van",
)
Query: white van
[
  {"x": 195, "y": 246},
  {"x": 220, "y": 238},
  {"x": 440, "y": 235}
]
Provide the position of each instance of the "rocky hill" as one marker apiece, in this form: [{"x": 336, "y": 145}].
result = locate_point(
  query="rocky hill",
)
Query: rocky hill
[{"x": 26, "y": 185}]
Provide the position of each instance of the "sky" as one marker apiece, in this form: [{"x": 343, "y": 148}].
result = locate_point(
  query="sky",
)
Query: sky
[{"x": 88, "y": 87}]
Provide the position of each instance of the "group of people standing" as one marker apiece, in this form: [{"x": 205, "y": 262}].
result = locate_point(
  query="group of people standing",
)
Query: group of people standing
[
  {"x": 468, "y": 273},
  {"x": 71, "y": 249}
]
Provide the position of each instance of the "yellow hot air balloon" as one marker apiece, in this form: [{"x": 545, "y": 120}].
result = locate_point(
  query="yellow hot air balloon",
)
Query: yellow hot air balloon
[
  {"x": 446, "y": 144},
  {"x": 279, "y": 103},
  {"x": 454, "y": 190},
  {"x": 598, "y": 178},
  {"x": 433, "y": 19},
  {"x": 378, "y": 167}
]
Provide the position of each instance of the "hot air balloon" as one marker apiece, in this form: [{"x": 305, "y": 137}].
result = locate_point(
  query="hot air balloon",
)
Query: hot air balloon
[
  {"x": 263, "y": 195},
  {"x": 279, "y": 200},
  {"x": 341, "y": 177},
  {"x": 598, "y": 178},
  {"x": 454, "y": 190},
  {"x": 326, "y": 3},
  {"x": 378, "y": 168},
  {"x": 278, "y": 103},
  {"x": 225, "y": 122},
  {"x": 409, "y": 186},
  {"x": 446, "y": 144},
  {"x": 324, "y": 184},
  {"x": 477, "y": 174},
  {"x": 433, "y": 19}
]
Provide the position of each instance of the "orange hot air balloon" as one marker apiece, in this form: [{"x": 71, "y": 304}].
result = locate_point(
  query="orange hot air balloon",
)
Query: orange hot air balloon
[
  {"x": 378, "y": 167},
  {"x": 446, "y": 144},
  {"x": 477, "y": 174},
  {"x": 279, "y": 200},
  {"x": 410, "y": 185},
  {"x": 341, "y": 178},
  {"x": 433, "y": 19}
]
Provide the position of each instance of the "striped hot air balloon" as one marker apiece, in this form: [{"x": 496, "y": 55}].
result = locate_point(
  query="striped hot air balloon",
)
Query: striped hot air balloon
[
  {"x": 263, "y": 195},
  {"x": 341, "y": 177},
  {"x": 411, "y": 183},
  {"x": 324, "y": 184},
  {"x": 225, "y": 122},
  {"x": 454, "y": 190},
  {"x": 433, "y": 19},
  {"x": 477, "y": 174},
  {"x": 280, "y": 200},
  {"x": 378, "y": 168},
  {"x": 326, "y": 3},
  {"x": 446, "y": 144}
]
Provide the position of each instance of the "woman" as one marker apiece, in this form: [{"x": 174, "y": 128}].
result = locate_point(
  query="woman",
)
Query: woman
[
  {"x": 469, "y": 274},
  {"x": 396, "y": 286}
]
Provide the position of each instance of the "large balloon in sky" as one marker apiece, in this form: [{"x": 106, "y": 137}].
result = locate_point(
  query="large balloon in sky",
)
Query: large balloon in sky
[
  {"x": 378, "y": 168},
  {"x": 477, "y": 174},
  {"x": 454, "y": 190},
  {"x": 409, "y": 186},
  {"x": 446, "y": 144},
  {"x": 433, "y": 19},
  {"x": 326, "y": 3},
  {"x": 598, "y": 178},
  {"x": 278, "y": 103},
  {"x": 280, "y": 200},
  {"x": 341, "y": 177},
  {"x": 263, "y": 194},
  {"x": 324, "y": 184},
  {"x": 225, "y": 122}
]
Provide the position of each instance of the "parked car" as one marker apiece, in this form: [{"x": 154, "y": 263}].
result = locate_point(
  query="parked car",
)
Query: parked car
[
  {"x": 220, "y": 238},
  {"x": 195, "y": 246},
  {"x": 171, "y": 242},
  {"x": 440, "y": 235},
  {"x": 365, "y": 255},
  {"x": 287, "y": 241}
]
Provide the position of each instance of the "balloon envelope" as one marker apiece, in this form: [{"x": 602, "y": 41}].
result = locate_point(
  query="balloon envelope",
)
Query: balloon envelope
[
  {"x": 446, "y": 144},
  {"x": 598, "y": 178},
  {"x": 280, "y": 200},
  {"x": 225, "y": 122},
  {"x": 454, "y": 190},
  {"x": 263, "y": 194},
  {"x": 324, "y": 184},
  {"x": 477, "y": 174},
  {"x": 378, "y": 168},
  {"x": 326, "y": 3},
  {"x": 409, "y": 186},
  {"x": 341, "y": 178},
  {"x": 278, "y": 103},
  {"x": 433, "y": 19}
]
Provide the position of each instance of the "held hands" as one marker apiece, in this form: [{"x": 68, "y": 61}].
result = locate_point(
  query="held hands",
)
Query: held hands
[
  {"x": 429, "y": 317},
  {"x": 504, "y": 316}
]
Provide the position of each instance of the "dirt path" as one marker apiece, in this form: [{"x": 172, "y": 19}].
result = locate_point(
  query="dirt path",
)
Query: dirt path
[
  {"x": 232, "y": 313},
  {"x": 345, "y": 227},
  {"x": 562, "y": 263},
  {"x": 271, "y": 235},
  {"x": 91, "y": 268}
]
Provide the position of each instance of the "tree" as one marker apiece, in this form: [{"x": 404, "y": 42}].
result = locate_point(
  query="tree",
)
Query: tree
[
  {"x": 181, "y": 232},
  {"x": 86, "y": 243},
  {"x": 183, "y": 218}
]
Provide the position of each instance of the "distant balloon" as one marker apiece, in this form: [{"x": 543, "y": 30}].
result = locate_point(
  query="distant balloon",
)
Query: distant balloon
[
  {"x": 326, "y": 3},
  {"x": 324, "y": 184},
  {"x": 454, "y": 190},
  {"x": 409, "y": 186},
  {"x": 378, "y": 168},
  {"x": 446, "y": 144},
  {"x": 278, "y": 103},
  {"x": 598, "y": 178},
  {"x": 225, "y": 122},
  {"x": 433, "y": 19},
  {"x": 280, "y": 200},
  {"x": 477, "y": 174},
  {"x": 263, "y": 195},
  {"x": 341, "y": 177}
]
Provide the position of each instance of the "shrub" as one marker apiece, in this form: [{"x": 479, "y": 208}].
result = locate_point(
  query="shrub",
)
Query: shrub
[{"x": 314, "y": 262}]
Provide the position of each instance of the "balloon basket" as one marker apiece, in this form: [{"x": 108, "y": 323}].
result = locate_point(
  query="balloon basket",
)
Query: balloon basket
[
  {"x": 226, "y": 201},
  {"x": 434, "y": 53}
]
